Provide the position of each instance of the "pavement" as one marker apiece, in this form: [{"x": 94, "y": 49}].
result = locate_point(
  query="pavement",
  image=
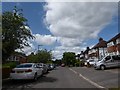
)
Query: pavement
[{"x": 73, "y": 77}]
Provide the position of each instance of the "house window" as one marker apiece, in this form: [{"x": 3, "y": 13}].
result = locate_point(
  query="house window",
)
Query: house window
[
  {"x": 110, "y": 44},
  {"x": 118, "y": 41}
]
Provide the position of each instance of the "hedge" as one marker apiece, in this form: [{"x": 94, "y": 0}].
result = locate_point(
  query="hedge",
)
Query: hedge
[{"x": 6, "y": 69}]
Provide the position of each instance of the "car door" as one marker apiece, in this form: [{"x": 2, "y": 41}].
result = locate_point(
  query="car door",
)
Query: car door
[
  {"x": 38, "y": 69},
  {"x": 116, "y": 60},
  {"x": 108, "y": 61}
]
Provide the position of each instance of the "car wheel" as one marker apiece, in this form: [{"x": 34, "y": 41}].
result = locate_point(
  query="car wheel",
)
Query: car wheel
[
  {"x": 35, "y": 77},
  {"x": 95, "y": 68},
  {"x": 102, "y": 67}
]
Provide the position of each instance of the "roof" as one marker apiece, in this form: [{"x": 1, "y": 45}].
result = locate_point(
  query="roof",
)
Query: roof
[
  {"x": 114, "y": 38},
  {"x": 101, "y": 44}
]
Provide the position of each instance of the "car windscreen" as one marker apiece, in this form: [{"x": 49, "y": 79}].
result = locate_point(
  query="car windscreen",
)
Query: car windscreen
[{"x": 24, "y": 66}]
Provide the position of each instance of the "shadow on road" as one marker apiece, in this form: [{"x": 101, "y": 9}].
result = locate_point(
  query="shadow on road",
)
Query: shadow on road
[{"x": 26, "y": 83}]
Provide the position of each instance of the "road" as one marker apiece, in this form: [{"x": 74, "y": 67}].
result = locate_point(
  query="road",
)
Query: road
[{"x": 74, "y": 77}]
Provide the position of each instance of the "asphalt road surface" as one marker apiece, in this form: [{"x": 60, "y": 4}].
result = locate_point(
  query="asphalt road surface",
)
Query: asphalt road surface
[{"x": 74, "y": 77}]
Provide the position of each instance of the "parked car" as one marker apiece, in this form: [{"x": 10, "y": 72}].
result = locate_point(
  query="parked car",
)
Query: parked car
[
  {"x": 51, "y": 66},
  {"x": 62, "y": 65},
  {"x": 108, "y": 62},
  {"x": 90, "y": 62},
  {"x": 26, "y": 71},
  {"x": 44, "y": 67}
]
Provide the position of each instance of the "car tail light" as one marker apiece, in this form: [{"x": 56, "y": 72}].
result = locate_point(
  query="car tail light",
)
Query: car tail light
[
  {"x": 29, "y": 70},
  {"x": 12, "y": 71}
]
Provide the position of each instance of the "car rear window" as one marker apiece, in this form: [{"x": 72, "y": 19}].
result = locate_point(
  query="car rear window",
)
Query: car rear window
[{"x": 24, "y": 66}]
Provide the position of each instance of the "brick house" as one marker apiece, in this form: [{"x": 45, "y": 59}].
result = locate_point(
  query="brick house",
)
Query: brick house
[
  {"x": 86, "y": 55},
  {"x": 99, "y": 50},
  {"x": 16, "y": 57},
  {"x": 113, "y": 45},
  {"x": 93, "y": 53}
]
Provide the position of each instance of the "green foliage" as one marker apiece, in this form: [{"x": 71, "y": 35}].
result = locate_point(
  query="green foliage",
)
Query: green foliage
[
  {"x": 77, "y": 64},
  {"x": 9, "y": 65},
  {"x": 32, "y": 58},
  {"x": 49, "y": 61},
  {"x": 43, "y": 56},
  {"x": 81, "y": 63},
  {"x": 69, "y": 58},
  {"x": 58, "y": 61},
  {"x": 14, "y": 32}
]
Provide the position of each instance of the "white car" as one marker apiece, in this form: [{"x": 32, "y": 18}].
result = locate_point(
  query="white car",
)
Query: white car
[
  {"x": 26, "y": 71},
  {"x": 90, "y": 61},
  {"x": 44, "y": 67}
]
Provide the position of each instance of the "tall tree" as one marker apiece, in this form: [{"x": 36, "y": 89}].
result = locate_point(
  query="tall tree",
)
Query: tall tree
[
  {"x": 14, "y": 32},
  {"x": 43, "y": 56},
  {"x": 69, "y": 58}
]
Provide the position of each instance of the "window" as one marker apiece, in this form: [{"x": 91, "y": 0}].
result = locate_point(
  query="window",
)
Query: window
[
  {"x": 118, "y": 41},
  {"x": 116, "y": 57},
  {"x": 24, "y": 66},
  {"x": 107, "y": 58},
  {"x": 110, "y": 44}
]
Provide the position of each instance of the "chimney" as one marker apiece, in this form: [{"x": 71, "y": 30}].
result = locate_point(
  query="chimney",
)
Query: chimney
[{"x": 100, "y": 39}]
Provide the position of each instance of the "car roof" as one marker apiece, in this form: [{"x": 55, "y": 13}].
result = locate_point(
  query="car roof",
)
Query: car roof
[{"x": 26, "y": 63}]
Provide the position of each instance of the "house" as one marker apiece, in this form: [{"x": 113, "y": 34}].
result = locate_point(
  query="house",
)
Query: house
[
  {"x": 93, "y": 53},
  {"x": 99, "y": 50},
  {"x": 17, "y": 57},
  {"x": 113, "y": 45},
  {"x": 86, "y": 55}
]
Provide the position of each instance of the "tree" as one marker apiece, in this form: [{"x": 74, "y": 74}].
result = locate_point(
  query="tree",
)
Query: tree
[
  {"x": 69, "y": 58},
  {"x": 32, "y": 58},
  {"x": 58, "y": 61},
  {"x": 14, "y": 32},
  {"x": 43, "y": 56}
]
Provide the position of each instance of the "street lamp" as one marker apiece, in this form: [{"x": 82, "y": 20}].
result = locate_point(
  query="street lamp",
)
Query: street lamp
[{"x": 39, "y": 46}]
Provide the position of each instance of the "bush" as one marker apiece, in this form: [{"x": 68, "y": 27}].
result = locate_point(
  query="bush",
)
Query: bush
[
  {"x": 6, "y": 72},
  {"x": 81, "y": 63},
  {"x": 10, "y": 65},
  {"x": 77, "y": 64},
  {"x": 6, "y": 69}
]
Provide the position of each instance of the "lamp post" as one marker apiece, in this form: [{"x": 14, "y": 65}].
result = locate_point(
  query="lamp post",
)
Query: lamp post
[{"x": 38, "y": 47}]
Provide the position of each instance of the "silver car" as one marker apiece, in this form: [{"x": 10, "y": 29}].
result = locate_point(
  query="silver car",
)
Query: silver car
[
  {"x": 44, "y": 67},
  {"x": 108, "y": 62},
  {"x": 26, "y": 71}
]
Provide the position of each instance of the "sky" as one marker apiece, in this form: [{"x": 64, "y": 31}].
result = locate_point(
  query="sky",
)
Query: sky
[{"x": 67, "y": 26}]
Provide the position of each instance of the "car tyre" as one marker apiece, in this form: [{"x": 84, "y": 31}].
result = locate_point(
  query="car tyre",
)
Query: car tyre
[
  {"x": 102, "y": 67},
  {"x": 35, "y": 77}
]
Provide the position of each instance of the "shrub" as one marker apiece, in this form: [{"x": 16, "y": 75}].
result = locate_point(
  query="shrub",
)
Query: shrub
[
  {"x": 6, "y": 72},
  {"x": 6, "y": 69},
  {"x": 10, "y": 65},
  {"x": 81, "y": 63},
  {"x": 77, "y": 64}
]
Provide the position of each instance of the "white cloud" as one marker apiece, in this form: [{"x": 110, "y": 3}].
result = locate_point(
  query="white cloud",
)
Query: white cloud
[
  {"x": 59, "y": 50},
  {"x": 44, "y": 39},
  {"x": 77, "y": 22},
  {"x": 27, "y": 50},
  {"x": 69, "y": 42},
  {"x": 60, "y": 0},
  {"x": 82, "y": 0}
]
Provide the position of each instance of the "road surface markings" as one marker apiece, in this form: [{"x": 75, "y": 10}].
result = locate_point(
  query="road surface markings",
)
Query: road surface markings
[
  {"x": 73, "y": 70},
  {"x": 93, "y": 83}
]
